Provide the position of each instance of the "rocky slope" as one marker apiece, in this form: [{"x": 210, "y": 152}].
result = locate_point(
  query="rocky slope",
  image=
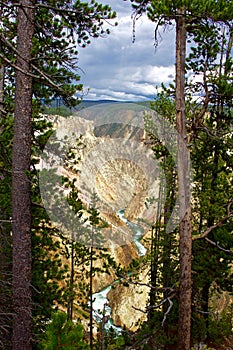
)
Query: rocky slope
[
  {"x": 116, "y": 164},
  {"x": 128, "y": 303}
]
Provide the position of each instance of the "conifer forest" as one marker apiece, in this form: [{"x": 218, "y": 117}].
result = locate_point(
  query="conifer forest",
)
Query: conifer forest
[{"x": 116, "y": 219}]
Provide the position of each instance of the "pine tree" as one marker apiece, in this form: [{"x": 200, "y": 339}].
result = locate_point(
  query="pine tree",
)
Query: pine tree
[
  {"x": 184, "y": 14},
  {"x": 43, "y": 78},
  {"x": 211, "y": 139},
  {"x": 64, "y": 334},
  {"x": 21, "y": 202}
]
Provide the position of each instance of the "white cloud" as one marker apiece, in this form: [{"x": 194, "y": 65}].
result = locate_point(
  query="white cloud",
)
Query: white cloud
[{"x": 116, "y": 68}]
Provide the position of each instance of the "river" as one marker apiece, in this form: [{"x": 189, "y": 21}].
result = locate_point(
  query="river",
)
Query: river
[
  {"x": 100, "y": 300},
  {"x": 137, "y": 232}
]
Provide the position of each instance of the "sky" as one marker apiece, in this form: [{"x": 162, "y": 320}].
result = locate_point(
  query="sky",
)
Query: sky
[{"x": 115, "y": 68}]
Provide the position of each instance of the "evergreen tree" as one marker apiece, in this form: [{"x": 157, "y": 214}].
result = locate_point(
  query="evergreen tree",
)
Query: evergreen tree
[
  {"x": 64, "y": 334},
  {"x": 164, "y": 243},
  {"x": 53, "y": 70},
  {"x": 212, "y": 160},
  {"x": 184, "y": 14},
  {"x": 21, "y": 202},
  {"x": 5, "y": 231}
]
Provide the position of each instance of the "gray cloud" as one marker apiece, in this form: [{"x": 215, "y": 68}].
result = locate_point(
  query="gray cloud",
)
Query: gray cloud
[{"x": 116, "y": 68}]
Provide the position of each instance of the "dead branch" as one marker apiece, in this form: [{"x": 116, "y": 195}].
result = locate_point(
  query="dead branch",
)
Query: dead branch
[
  {"x": 168, "y": 310},
  {"x": 216, "y": 244},
  {"x": 157, "y": 306},
  {"x": 214, "y": 313},
  {"x": 218, "y": 224},
  {"x": 137, "y": 309},
  {"x": 159, "y": 289},
  {"x": 38, "y": 205},
  {"x": 35, "y": 289}
]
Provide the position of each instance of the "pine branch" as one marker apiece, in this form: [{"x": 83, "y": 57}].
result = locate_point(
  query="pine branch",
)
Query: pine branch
[
  {"x": 43, "y": 77},
  {"x": 71, "y": 11},
  {"x": 13, "y": 65}
]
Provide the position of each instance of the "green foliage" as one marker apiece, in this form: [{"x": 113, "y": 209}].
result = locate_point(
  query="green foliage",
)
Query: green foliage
[
  {"x": 61, "y": 111},
  {"x": 5, "y": 230},
  {"x": 204, "y": 347},
  {"x": 164, "y": 10},
  {"x": 212, "y": 161},
  {"x": 209, "y": 125},
  {"x": 110, "y": 339},
  {"x": 66, "y": 26},
  {"x": 60, "y": 28},
  {"x": 63, "y": 334}
]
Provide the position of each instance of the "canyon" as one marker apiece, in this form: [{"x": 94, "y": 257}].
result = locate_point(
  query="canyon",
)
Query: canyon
[{"x": 116, "y": 164}]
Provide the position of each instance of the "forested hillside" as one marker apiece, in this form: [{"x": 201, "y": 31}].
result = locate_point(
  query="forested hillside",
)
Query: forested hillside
[{"x": 116, "y": 220}]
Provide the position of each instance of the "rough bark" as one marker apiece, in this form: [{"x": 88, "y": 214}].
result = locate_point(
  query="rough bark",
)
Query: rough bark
[
  {"x": 2, "y": 77},
  {"x": 70, "y": 309},
  {"x": 21, "y": 230},
  {"x": 91, "y": 296},
  {"x": 155, "y": 232},
  {"x": 5, "y": 287},
  {"x": 184, "y": 328}
]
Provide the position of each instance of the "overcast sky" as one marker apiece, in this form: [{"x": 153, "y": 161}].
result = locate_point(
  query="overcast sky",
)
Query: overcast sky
[{"x": 116, "y": 68}]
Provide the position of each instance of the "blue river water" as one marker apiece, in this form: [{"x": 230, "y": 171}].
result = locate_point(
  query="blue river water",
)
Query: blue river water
[{"x": 100, "y": 300}]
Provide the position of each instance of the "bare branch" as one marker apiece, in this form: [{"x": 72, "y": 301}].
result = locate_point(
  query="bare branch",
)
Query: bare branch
[
  {"x": 218, "y": 224},
  {"x": 37, "y": 205},
  {"x": 157, "y": 306},
  {"x": 35, "y": 289},
  {"x": 168, "y": 310},
  {"x": 3, "y": 111},
  {"x": 214, "y": 313},
  {"x": 47, "y": 79},
  {"x": 216, "y": 244},
  {"x": 137, "y": 309},
  {"x": 161, "y": 303},
  {"x": 159, "y": 289}
]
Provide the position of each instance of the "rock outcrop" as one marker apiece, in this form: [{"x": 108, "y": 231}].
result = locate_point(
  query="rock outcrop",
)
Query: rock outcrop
[
  {"x": 128, "y": 303},
  {"x": 117, "y": 165}
]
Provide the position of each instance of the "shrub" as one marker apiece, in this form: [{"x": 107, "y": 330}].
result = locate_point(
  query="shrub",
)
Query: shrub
[{"x": 63, "y": 334}]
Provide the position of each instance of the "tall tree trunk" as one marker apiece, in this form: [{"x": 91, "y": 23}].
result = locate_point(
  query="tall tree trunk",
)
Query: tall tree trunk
[
  {"x": 5, "y": 285},
  {"x": 2, "y": 75},
  {"x": 91, "y": 295},
  {"x": 184, "y": 328},
  {"x": 70, "y": 308},
  {"x": 168, "y": 275},
  {"x": 21, "y": 230},
  {"x": 154, "y": 269},
  {"x": 5, "y": 246}
]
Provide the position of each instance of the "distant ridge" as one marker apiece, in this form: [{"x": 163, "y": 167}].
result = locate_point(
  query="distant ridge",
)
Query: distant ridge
[
  {"x": 90, "y": 103},
  {"x": 58, "y": 107}
]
